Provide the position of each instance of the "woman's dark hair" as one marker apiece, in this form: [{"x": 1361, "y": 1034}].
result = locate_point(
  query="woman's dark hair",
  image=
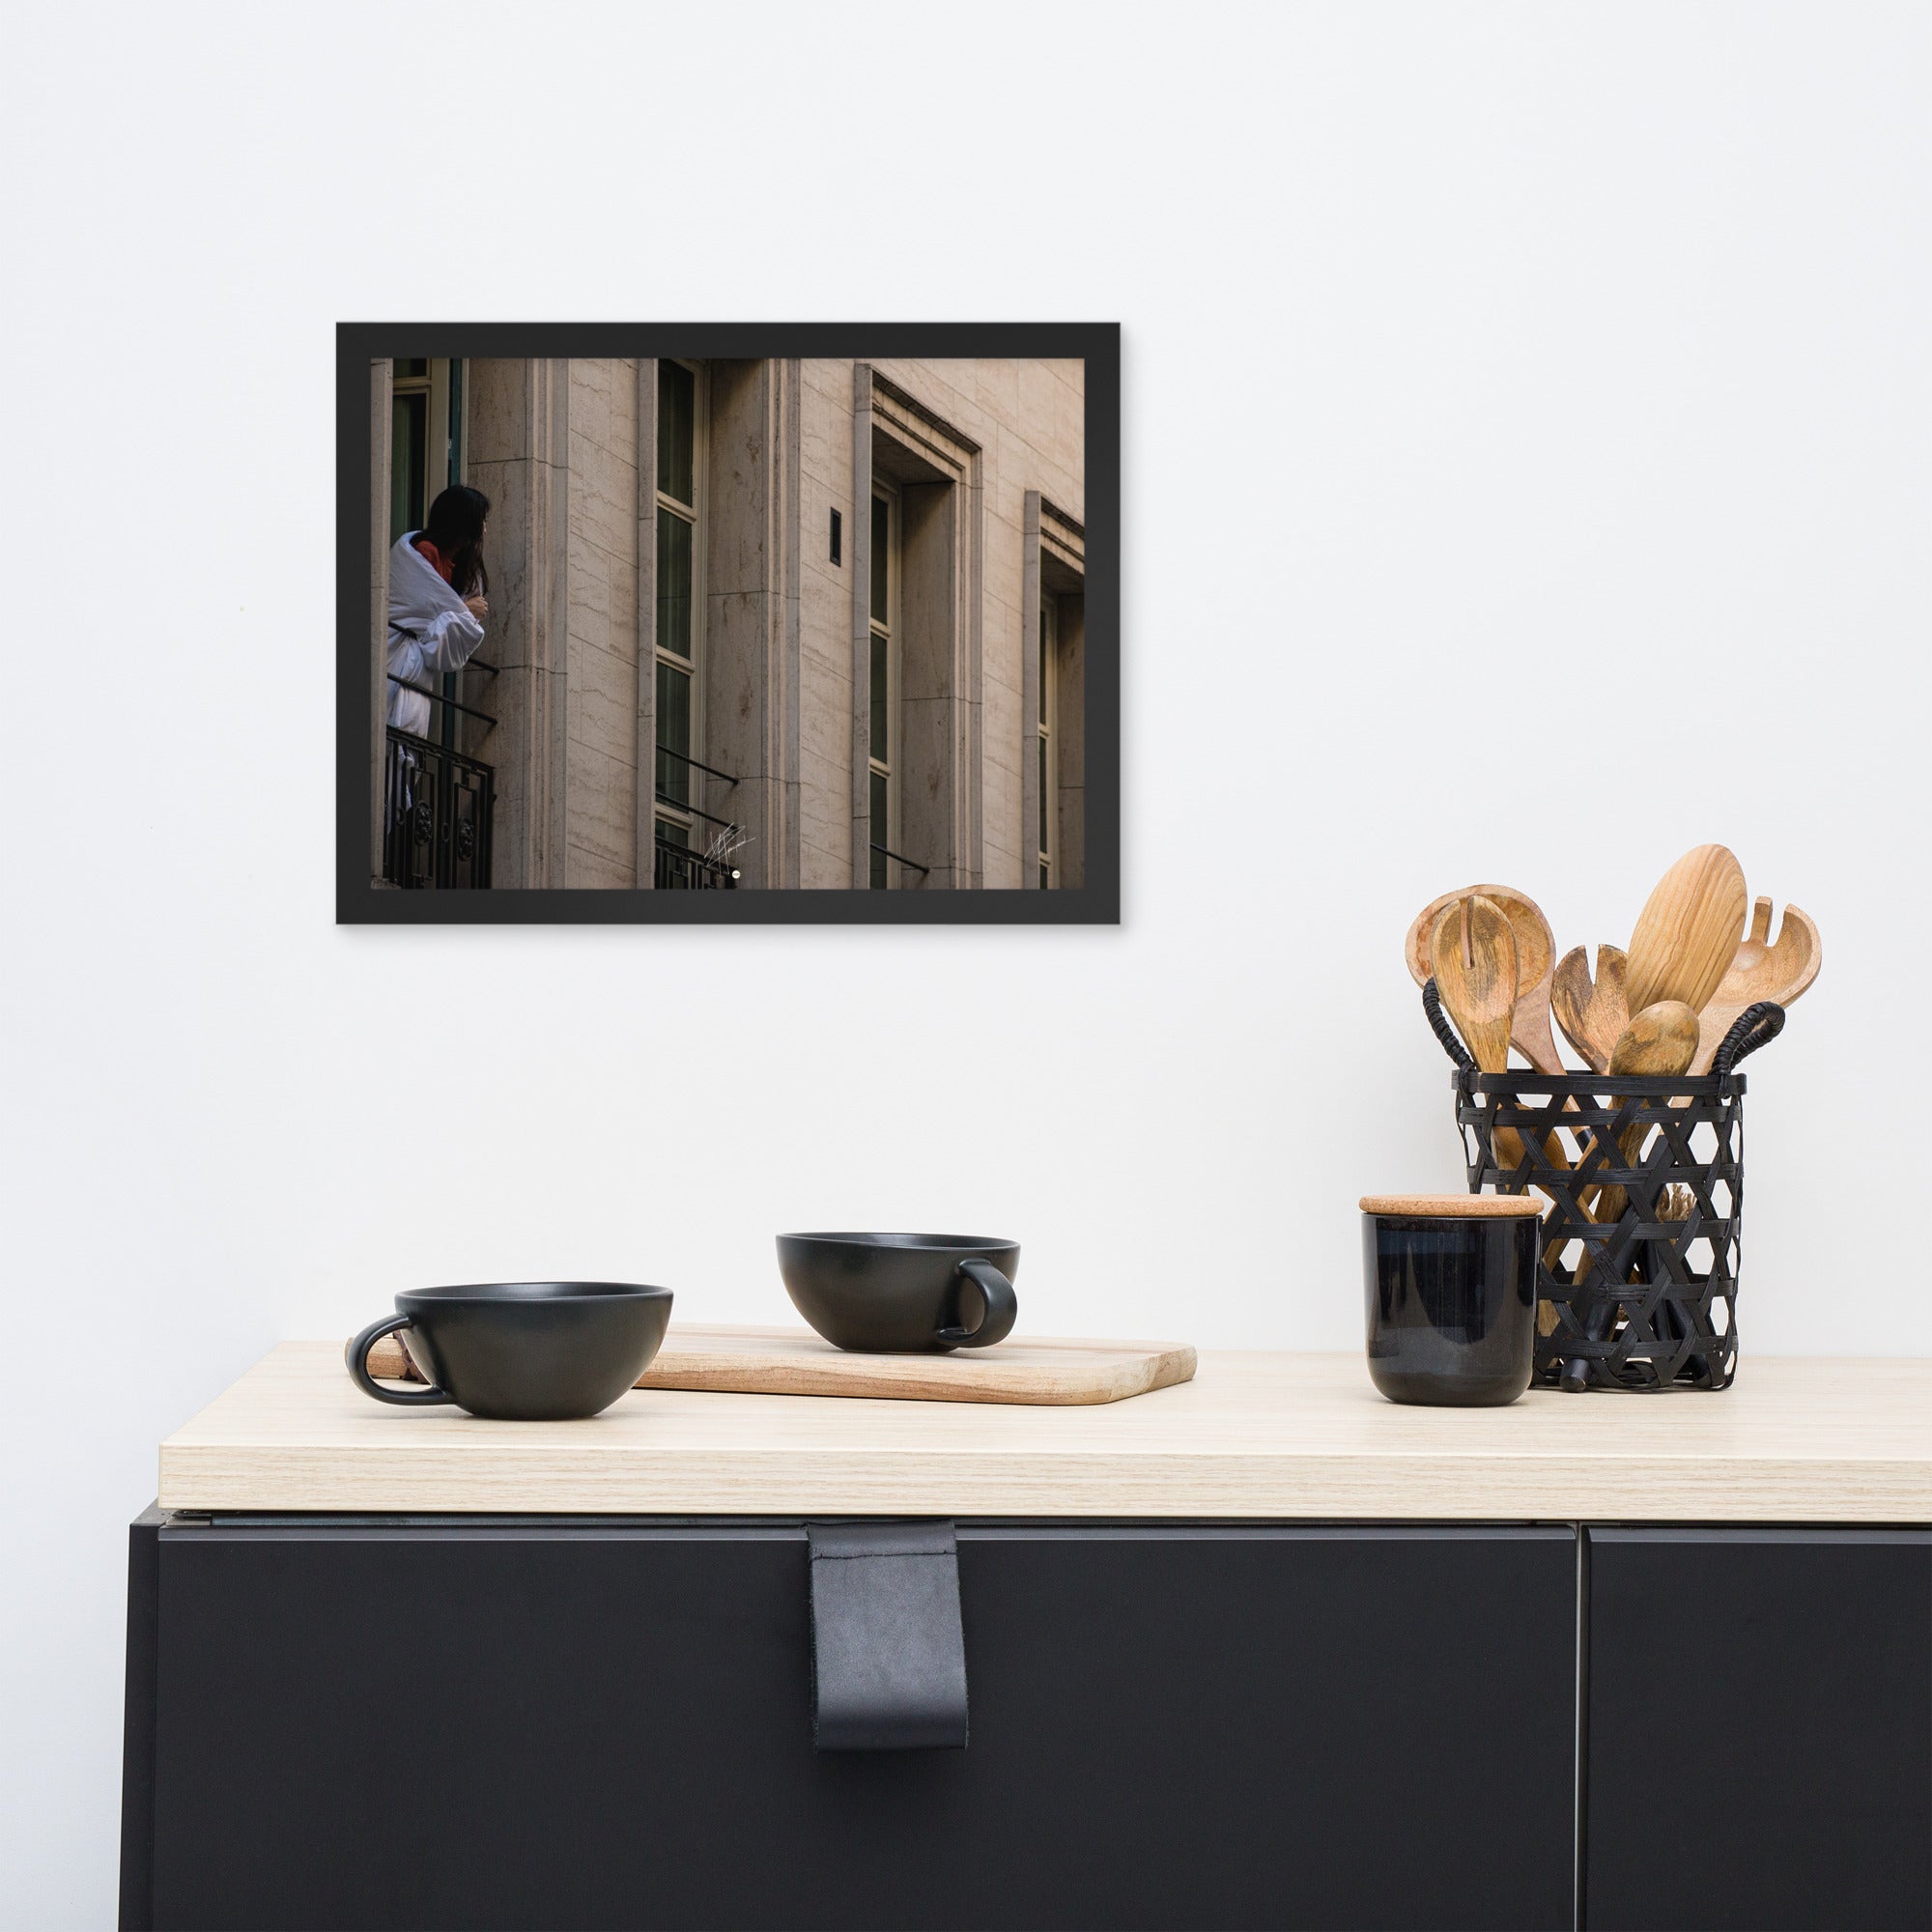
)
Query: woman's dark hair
[{"x": 455, "y": 528}]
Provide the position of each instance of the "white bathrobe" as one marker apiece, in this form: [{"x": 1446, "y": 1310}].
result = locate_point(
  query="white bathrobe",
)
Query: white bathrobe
[{"x": 430, "y": 630}]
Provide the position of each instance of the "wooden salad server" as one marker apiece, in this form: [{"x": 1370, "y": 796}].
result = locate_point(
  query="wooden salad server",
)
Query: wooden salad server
[
  {"x": 1688, "y": 932},
  {"x": 1760, "y": 969},
  {"x": 1535, "y": 962},
  {"x": 1593, "y": 1015},
  {"x": 1472, "y": 958}
]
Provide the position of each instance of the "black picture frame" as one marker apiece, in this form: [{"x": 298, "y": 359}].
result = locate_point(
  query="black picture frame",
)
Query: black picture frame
[{"x": 359, "y": 901}]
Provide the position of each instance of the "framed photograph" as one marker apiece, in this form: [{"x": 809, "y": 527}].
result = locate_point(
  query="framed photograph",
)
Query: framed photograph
[{"x": 729, "y": 622}]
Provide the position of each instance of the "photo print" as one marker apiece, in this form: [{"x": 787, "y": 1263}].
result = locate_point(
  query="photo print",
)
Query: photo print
[{"x": 736, "y": 623}]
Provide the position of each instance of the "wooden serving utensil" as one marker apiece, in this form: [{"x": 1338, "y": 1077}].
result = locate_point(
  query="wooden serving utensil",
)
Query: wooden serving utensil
[
  {"x": 1535, "y": 963},
  {"x": 1660, "y": 1042},
  {"x": 1593, "y": 1015},
  {"x": 1472, "y": 952},
  {"x": 1472, "y": 956},
  {"x": 1688, "y": 932},
  {"x": 1760, "y": 969}
]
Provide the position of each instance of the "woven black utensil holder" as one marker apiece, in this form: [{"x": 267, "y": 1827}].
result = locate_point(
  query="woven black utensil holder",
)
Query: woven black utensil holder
[{"x": 1639, "y": 1302}]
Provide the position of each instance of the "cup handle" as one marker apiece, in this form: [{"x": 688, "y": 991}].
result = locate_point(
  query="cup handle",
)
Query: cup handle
[
  {"x": 357, "y": 1355},
  {"x": 1002, "y": 1310}
]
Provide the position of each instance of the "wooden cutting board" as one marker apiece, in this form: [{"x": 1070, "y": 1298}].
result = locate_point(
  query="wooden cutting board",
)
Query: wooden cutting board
[{"x": 794, "y": 1361}]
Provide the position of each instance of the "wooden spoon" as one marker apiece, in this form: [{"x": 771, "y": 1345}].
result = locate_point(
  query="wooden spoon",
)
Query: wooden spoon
[
  {"x": 1660, "y": 1042},
  {"x": 1760, "y": 969},
  {"x": 1593, "y": 1016},
  {"x": 1535, "y": 962},
  {"x": 1688, "y": 932}
]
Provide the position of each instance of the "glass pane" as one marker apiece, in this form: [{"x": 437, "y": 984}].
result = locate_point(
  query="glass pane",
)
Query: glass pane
[
  {"x": 455, "y": 422},
  {"x": 674, "y": 536},
  {"x": 1044, "y": 799},
  {"x": 677, "y": 431},
  {"x": 411, "y": 365},
  {"x": 882, "y": 524},
  {"x": 878, "y": 832},
  {"x": 1046, "y": 660},
  {"x": 407, "y": 430},
  {"x": 879, "y": 697},
  {"x": 672, "y": 834},
  {"x": 1043, "y": 881},
  {"x": 674, "y": 733}
]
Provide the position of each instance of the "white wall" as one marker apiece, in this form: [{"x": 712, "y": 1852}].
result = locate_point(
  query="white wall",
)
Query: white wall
[{"x": 1526, "y": 441}]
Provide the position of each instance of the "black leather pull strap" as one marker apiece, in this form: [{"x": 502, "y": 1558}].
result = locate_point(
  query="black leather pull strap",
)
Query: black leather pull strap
[{"x": 888, "y": 1656}]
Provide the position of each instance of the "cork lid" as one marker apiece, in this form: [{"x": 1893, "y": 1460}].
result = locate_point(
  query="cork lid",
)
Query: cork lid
[{"x": 1452, "y": 1206}]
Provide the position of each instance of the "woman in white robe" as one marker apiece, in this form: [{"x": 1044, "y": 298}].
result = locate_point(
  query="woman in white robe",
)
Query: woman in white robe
[{"x": 437, "y": 603}]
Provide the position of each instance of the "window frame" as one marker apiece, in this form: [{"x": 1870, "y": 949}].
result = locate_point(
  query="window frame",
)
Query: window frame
[
  {"x": 891, "y": 629},
  {"x": 1048, "y": 733},
  {"x": 665, "y": 812},
  {"x": 453, "y": 440},
  {"x": 435, "y": 384}
]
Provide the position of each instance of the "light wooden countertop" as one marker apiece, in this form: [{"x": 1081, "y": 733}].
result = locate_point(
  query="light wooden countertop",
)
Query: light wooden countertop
[{"x": 1252, "y": 1435}]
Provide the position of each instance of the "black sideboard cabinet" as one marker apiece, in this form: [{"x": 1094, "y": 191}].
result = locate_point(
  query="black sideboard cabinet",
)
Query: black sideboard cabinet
[
  {"x": 606, "y": 1722},
  {"x": 1759, "y": 1729}
]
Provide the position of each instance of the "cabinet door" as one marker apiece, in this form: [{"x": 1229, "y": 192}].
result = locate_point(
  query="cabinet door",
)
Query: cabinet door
[
  {"x": 1760, "y": 1729},
  {"x": 554, "y": 1725}
]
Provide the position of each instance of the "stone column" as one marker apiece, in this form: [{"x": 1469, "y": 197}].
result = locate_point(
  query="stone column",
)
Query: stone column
[
  {"x": 520, "y": 458},
  {"x": 1031, "y": 695},
  {"x": 861, "y": 625},
  {"x": 788, "y": 582},
  {"x": 751, "y": 614},
  {"x": 973, "y": 587},
  {"x": 647, "y": 621}
]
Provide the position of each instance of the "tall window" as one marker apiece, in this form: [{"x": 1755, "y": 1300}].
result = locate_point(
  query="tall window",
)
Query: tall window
[
  {"x": 1049, "y": 761},
  {"x": 426, "y": 441},
  {"x": 427, "y": 453},
  {"x": 680, "y": 594},
  {"x": 885, "y": 681}
]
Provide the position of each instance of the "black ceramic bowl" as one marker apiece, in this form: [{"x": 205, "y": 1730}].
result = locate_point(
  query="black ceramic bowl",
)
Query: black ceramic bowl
[
  {"x": 902, "y": 1294},
  {"x": 1451, "y": 1297},
  {"x": 521, "y": 1351}
]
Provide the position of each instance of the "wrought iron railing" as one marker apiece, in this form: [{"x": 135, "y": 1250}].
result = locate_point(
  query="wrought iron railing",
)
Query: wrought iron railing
[
  {"x": 899, "y": 858},
  {"x": 674, "y": 786},
  {"x": 679, "y": 868},
  {"x": 438, "y": 807}
]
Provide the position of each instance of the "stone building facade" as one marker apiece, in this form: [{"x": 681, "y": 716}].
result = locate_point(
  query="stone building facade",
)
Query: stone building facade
[{"x": 784, "y": 623}]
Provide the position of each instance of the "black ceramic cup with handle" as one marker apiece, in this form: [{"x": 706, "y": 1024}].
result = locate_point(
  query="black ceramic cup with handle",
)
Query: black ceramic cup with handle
[
  {"x": 902, "y": 1294},
  {"x": 520, "y": 1350},
  {"x": 1450, "y": 1283}
]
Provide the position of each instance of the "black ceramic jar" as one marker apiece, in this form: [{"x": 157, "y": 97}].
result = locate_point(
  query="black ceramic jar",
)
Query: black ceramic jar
[{"x": 1450, "y": 1281}]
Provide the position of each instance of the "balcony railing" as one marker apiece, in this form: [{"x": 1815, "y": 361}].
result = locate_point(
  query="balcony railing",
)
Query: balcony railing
[
  {"x": 678, "y": 869},
  {"x": 437, "y": 812}
]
